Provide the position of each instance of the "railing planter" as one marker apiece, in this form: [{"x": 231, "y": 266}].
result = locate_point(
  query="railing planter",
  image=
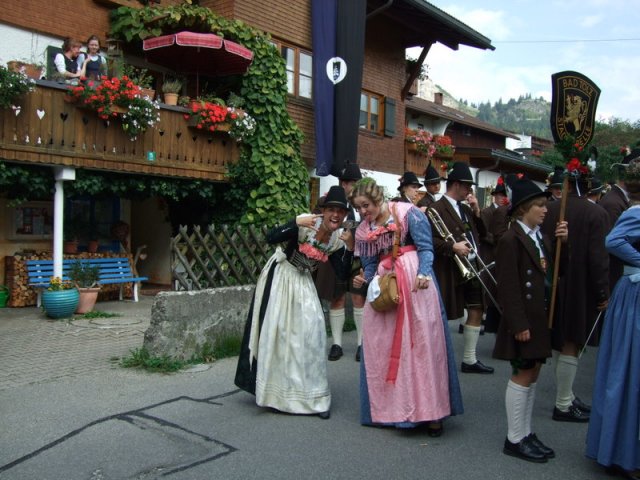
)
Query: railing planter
[{"x": 192, "y": 123}]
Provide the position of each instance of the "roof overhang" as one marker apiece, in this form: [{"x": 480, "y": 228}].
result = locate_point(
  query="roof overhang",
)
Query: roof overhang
[{"x": 424, "y": 24}]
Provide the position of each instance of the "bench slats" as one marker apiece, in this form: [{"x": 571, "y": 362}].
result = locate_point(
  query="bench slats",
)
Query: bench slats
[{"x": 111, "y": 270}]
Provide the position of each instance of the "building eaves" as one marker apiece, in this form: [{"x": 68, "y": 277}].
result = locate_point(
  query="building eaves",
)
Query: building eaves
[
  {"x": 518, "y": 161},
  {"x": 440, "y": 111},
  {"x": 471, "y": 36}
]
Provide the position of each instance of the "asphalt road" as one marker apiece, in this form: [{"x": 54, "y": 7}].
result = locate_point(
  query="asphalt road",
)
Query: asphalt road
[{"x": 117, "y": 423}]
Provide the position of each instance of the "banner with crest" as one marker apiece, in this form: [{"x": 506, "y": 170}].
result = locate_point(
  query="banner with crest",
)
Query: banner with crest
[{"x": 573, "y": 107}]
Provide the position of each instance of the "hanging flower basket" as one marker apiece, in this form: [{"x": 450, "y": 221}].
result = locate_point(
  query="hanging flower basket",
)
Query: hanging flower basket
[{"x": 412, "y": 147}]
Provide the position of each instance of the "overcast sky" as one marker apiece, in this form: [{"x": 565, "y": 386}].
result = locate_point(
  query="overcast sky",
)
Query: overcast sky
[{"x": 515, "y": 68}]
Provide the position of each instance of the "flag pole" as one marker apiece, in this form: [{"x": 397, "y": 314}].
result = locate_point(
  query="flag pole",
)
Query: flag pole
[{"x": 556, "y": 260}]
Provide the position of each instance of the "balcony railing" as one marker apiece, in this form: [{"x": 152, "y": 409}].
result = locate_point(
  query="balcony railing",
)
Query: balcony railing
[{"x": 47, "y": 130}]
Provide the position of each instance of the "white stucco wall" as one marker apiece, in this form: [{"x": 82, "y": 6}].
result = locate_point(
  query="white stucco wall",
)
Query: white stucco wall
[{"x": 24, "y": 45}]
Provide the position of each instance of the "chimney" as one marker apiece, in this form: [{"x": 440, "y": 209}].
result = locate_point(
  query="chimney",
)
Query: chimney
[{"x": 438, "y": 97}]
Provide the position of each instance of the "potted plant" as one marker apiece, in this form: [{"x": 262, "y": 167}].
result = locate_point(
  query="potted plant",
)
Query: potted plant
[
  {"x": 60, "y": 299},
  {"x": 209, "y": 116},
  {"x": 141, "y": 78},
  {"x": 171, "y": 89},
  {"x": 420, "y": 141},
  {"x": 85, "y": 277},
  {"x": 71, "y": 233},
  {"x": 30, "y": 69},
  {"x": 444, "y": 147},
  {"x": 13, "y": 84}
]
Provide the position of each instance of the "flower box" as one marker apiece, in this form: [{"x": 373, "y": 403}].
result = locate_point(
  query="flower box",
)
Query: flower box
[
  {"x": 29, "y": 69},
  {"x": 192, "y": 122},
  {"x": 412, "y": 147}
]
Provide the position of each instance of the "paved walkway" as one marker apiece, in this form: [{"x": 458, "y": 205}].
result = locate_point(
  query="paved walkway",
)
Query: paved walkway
[{"x": 34, "y": 348}]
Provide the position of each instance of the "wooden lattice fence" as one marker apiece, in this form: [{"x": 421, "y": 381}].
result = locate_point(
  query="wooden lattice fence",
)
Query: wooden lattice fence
[{"x": 220, "y": 257}]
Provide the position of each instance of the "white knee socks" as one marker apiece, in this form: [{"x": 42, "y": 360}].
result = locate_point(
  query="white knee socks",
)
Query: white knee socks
[
  {"x": 357, "y": 319},
  {"x": 471, "y": 335},
  {"x": 531, "y": 398},
  {"x": 516, "y": 402},
  {"x": 336, "y": 320},
  {"x": 566, "y": 369}
]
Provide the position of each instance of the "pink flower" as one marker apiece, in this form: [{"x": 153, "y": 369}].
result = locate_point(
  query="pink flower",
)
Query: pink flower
[{"x": 312, "y": 252}]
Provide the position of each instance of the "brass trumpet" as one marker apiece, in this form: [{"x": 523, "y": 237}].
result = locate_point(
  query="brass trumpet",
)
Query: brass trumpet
[{"x": 467, "y": 268}]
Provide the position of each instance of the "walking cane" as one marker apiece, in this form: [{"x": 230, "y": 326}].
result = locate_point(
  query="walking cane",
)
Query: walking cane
[
  {"x": 556, "y": 260},
  {"x": 595, "y": 324}
]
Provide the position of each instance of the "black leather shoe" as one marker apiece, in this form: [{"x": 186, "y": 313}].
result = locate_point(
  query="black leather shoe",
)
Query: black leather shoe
[
  {"x": 358, "y": 353},
  {"x": 581, "y": 405},
  {"x": 335, "y": 353},
  {"x": 546, "y": 451},
  {"x": 572, "y": 415},
  {"x": 524, "y": 450},
  {"x": 622, "y": 473},
  {"x": 435, "y": 429},
  {"x": 460, "y": 328},
  {"x": 325, "y": 415},
  {"x": 477, "y": 367}
]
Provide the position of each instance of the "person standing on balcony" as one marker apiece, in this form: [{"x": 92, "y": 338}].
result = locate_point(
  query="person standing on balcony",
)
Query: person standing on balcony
[
  {"x": 94, "y": 63},
  {"x": 66, "y": 62},
  {"x": 332, "y": 289},
  {"x": 282, "y": 357}
]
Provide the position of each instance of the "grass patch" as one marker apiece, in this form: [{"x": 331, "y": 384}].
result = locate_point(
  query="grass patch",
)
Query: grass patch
[
  {"x": 226, "y": 346},
  {"x": 99, "y": 314}
]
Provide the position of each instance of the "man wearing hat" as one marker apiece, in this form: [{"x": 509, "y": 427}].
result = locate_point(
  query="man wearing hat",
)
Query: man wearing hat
[
  {"x": 616, "y": 201},
  {"x": 554, "y": 183},
  {"x": 431, "y": 182},
  {"x": 333, "y": 289},
  {"x": 457, "y": 293},
  {"x": 494, "y": 219},
  {"x": 409, "y": 186},
  {"x": 582, "y": 291},
  {"x": 595, "y": 193}
]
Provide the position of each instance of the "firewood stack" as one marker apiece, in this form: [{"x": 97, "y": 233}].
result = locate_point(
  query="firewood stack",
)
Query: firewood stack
[{"x": 17, "y": 279}]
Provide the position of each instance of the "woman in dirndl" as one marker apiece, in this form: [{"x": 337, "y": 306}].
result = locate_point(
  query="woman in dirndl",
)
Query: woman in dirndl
[
  {"x": 407, "y": 373},
  {"x": 282, "y": 359},
  {"x": 613, "y": 439}
]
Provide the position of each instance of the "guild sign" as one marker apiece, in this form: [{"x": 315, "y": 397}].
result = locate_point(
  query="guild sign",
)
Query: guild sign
[
  {"x": 573, "y": 106},
  {"x": 336, "y": 69}
]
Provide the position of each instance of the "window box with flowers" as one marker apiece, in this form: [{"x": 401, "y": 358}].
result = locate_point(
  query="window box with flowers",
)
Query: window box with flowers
[
  {"x": 13, "y": 84},
  {"x": 444, "y": 147},
  {"x": 60, "y": 299},
  {"x": 118, "y": 98},
  {"x": 420, "y": 141},
  {"x": 212, "y": 117}
]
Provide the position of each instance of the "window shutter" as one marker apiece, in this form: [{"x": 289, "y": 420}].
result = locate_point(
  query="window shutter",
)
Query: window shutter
[{"x": 389, "y": 117}]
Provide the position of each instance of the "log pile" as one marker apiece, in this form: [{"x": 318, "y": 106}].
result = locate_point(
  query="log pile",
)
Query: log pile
[{"x": 22, "y": 295}]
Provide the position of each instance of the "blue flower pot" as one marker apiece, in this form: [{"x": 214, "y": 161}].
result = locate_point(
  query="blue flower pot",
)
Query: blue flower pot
[{"x": 61, "y": 303}]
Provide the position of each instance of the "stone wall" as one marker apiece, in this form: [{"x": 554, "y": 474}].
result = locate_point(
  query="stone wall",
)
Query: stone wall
[{"x": 182, "y": 322}]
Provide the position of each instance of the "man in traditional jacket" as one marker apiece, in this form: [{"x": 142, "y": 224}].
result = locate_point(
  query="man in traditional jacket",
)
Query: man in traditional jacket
[
  {"x": 583, "y": 290},
  {"x": 334, "y": 290},
  {"x": 457, "y": 292},
  {"x": 615, "y": 202},
  {"x": 431, "y": 182}
]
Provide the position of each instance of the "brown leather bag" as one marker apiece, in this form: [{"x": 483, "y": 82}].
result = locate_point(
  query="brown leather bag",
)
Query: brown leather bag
[{"x": 389, "y": 297}]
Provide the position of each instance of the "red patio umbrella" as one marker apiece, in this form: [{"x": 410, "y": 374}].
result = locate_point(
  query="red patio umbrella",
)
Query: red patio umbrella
[{"x": 198, "y": 53}]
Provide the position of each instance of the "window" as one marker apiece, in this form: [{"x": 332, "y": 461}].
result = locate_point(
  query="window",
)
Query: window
[
  {"x": 370, "y": 112},
  {"x": 299, "y": 70},
  {"x": 32, "y": 220}
]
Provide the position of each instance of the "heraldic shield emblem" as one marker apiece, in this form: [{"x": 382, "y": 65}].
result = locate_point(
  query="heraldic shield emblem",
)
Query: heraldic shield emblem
[{"x": 573, "y": 106}]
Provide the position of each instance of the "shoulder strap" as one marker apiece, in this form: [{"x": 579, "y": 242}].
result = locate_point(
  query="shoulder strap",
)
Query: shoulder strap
[{"x": 396, "y": 236}]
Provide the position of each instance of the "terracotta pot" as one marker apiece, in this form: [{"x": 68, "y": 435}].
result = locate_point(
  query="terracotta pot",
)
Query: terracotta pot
[
  {"x": 87, "y": 301},
  {"x": 148, "y": 92},
  {"x": 30, "y": 70},
  {"x": 92, "y": 246},
  {"x": 70, "y": 246},
  {"x": 171, "y": 98},
  {"x": 412, "y": 147}
]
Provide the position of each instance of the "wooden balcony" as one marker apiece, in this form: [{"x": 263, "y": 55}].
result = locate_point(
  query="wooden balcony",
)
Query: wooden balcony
[{"x": 47, "y": 130}]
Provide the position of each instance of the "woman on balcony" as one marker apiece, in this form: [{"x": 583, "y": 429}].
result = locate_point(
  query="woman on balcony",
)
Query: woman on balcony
[
  {"x": 94, "y": 63},
  {"x": 282, "y": 359},
  {"x": 66, "y": 62}
]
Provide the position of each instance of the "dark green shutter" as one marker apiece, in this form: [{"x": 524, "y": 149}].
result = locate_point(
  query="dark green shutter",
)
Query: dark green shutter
[{"x": 389, "y": 117}]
